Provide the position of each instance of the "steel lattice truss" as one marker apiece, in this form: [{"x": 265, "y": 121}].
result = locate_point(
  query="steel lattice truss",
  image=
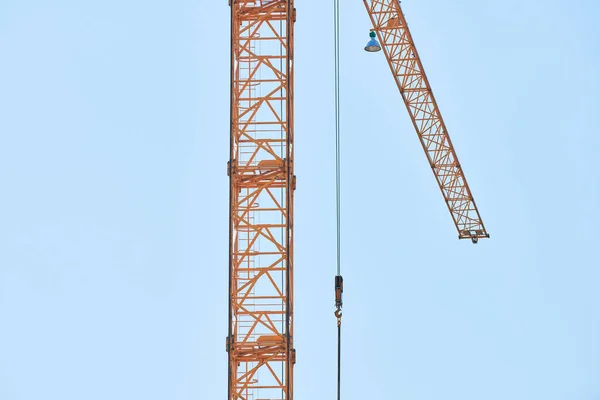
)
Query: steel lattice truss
[
  {"x": 260, "y": 347},
  {"x": 397, "y": 44}
]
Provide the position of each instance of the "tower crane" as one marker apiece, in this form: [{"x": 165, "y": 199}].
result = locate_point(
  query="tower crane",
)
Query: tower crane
[{"x": 260, "y": 340}]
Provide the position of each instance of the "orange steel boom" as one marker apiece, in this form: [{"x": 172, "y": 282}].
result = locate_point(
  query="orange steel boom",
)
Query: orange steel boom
[
  {"x": 400, "y": 51},
  {"x": 262, "y": 182}
]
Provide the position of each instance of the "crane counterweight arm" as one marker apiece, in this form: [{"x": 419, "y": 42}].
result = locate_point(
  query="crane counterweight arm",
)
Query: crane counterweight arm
[{"x": 400, "y": 51}]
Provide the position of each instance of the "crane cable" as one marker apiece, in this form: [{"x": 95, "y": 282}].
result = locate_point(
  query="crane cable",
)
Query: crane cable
[
  {"x": 336, "y": 24},
  {"x": 338, "y": 277}
]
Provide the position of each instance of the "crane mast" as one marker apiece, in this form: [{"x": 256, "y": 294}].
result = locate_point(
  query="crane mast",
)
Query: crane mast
[
  {"x": 400, "y": 51},
  {"x": 262, "y": 183}
]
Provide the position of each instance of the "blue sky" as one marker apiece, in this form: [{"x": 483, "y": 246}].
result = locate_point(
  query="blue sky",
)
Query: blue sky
[{"x": 113, "y": 212}]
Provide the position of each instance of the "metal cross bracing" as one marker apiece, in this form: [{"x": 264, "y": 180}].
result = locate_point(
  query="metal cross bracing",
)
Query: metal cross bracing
[
  {"x": 399, "y": 49},
  {"x": 262, "y": 183}
]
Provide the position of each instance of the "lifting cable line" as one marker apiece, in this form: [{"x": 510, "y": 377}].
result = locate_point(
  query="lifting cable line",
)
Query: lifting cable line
[
  {"x": 338, "y": 277},
  {"x": 336, "y": 24}
]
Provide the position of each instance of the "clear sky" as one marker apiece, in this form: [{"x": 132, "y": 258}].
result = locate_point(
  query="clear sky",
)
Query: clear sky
[{"x": 113, "y": 203}]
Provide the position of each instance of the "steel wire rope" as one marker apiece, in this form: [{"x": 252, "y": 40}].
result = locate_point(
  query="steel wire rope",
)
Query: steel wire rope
[
  {"x": 338, "y": 313},
  {"x": 336, "y": 27}
]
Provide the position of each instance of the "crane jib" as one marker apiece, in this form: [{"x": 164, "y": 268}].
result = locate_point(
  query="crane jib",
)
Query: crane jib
[{"x": 397, "y": 44}]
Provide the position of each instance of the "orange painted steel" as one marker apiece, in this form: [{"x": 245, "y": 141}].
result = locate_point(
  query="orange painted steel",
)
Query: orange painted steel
[
  {"x": 400, "y": 51},
  {"x": 262, "y": 183}
]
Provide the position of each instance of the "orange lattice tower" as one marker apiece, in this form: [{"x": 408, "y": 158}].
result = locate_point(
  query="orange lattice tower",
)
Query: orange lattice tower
[{"x": 262, "y": 183}]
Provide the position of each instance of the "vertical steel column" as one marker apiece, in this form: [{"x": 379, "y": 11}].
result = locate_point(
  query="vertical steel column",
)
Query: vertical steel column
[{"x": 262, "y": 184}]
